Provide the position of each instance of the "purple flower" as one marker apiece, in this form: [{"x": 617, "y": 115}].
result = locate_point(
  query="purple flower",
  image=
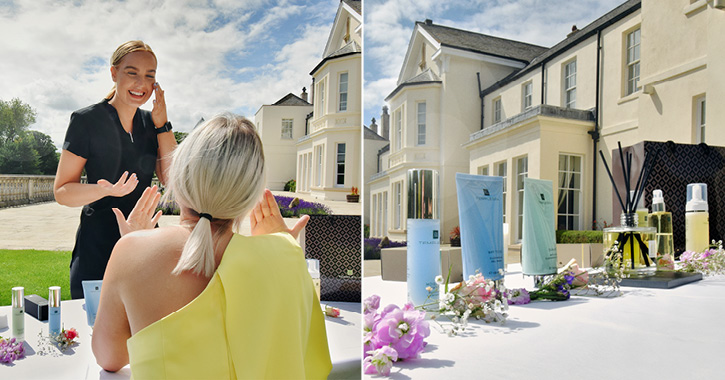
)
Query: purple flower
[
  {"x": 519, "y": 297},
  {"x": 569, "y": 278},
  {"x": 402, "y": 329},
  {"x": 372, "y": 303},
  {"x": 380, "y": 361},
  {"x": 11, "y": 350}
]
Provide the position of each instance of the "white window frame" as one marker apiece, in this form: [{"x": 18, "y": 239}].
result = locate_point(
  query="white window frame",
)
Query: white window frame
[
  {"x": 527, "y": 95},
  {"x": 287, "y": 129},
  {"x": 482, "y": 170},
  {"x": 398, "y": 125},
  {"x": 497, "y": 110},
  {"x": 421, "y": 137},
  {"x": 398, "y": 205},
  {"x": 700, "y": 119},
  {"x": 500, "y": 169},
  {"x": 632, "y": 61},
  {"x": 566, "y": 185},
  {"x": 321, "y": 96},
  {"x": 520, "y": 175},
  {"x": 569, "y": 85},
  {"x": 342, "y": 92},
  {"x": 320, "y": 157},
  {"x": 340, "y": 164}
]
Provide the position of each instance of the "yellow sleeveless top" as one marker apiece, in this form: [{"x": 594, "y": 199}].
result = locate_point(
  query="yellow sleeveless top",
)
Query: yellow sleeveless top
[{"x": 258, "y": 318}]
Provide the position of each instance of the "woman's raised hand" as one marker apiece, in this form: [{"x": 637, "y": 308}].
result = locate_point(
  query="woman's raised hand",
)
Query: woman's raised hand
[
  {"x": 266, "y": 218},
  {"x": 124, "y": 186},
  {"x": 158, "y": 113},
  {"x": 142, "y": 216}
]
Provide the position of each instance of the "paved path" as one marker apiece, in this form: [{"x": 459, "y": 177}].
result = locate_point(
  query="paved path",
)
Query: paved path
[{"x": 50, "y": 226}]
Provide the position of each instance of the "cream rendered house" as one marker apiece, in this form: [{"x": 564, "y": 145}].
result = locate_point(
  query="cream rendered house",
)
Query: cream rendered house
[
  {"x": 280, "y": 125},
  {"x": 434, "y": 109},
  {"x": 329, "y": 156},
  {"x": 644, "y": 71}
]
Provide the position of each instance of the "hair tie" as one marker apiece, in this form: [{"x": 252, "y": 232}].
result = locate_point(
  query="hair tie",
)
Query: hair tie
[{"x": 205, "y": 215}]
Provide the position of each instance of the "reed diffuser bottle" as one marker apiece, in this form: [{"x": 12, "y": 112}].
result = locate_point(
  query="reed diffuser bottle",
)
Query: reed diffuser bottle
[
  {"x": 424, "y": 249},
  {"x": 634, "y": 241}
]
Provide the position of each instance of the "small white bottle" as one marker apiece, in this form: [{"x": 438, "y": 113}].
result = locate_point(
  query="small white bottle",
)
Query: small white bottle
[
  {"x": 697, "y": 224},
  {"x": 18, "y": 311},
  {"x": 313, "y": 266}
]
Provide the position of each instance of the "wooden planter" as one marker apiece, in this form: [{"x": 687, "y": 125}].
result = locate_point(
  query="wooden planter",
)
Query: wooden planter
[{"x": 353, "y": 198}]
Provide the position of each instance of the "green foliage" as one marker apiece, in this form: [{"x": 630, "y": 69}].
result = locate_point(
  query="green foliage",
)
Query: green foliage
[
  {"x": 366, "y": 231},
  {"x": 23, "y": 151},
  {"x": 180, "y": 136},
  {"x": 578, "y": 237},
  {"x": 34, "y": 270},
  {"x": 291, "y": 185}
]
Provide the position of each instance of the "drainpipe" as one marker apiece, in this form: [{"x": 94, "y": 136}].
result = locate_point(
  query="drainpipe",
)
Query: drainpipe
[
  {"x": 480, "y": 95},
  {"x": 543, "y": 74},
  {"x": 595, "y": 132}
]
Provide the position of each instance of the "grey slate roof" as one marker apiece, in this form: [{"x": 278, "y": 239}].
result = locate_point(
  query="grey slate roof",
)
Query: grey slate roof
[
  {"x": 371, "y": 135},
  {"x": 350, "y": 48},
  {"x": 582, "y": 34},
  {"x": 354, "y": 4},
  {"x": 482, "y": 43},
  {"x": 426, "y": 76},
  {"x": 291, "y": 100}
]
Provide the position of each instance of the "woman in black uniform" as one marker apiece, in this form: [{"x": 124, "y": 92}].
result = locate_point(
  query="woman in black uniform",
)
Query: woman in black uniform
[{"x": 120, "y": 146}]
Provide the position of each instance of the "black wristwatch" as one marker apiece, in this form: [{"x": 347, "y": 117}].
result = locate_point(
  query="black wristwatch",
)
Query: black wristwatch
[{"x": 165, "y": 128}]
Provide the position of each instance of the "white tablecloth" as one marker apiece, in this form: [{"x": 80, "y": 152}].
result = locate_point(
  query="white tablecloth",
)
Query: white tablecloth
[
  {"x": 343, "y": 337},
  {"x": 644, "y": 334}
]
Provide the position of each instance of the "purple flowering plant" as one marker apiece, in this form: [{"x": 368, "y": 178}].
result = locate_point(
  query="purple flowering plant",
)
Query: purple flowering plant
[
  {"x": 391, "y": 334},
  {"x": 11, "y": 350},
  {"x": 709, "y": 262}
]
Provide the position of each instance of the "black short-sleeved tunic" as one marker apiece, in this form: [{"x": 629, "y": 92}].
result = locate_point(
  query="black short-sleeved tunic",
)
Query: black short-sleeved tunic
[{"x": 95, "y": 133}]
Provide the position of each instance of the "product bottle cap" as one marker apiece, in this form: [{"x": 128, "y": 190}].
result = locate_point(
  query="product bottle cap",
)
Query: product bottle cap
[
  {"x": 313, "y": 266},
  {"x": 658, "y": 201},
  {"x": 423, "y": 193},
  {"x": 696, "y": 197},
  {"x": 18, "y": 298},
  {"x": 54, "y": 296}
]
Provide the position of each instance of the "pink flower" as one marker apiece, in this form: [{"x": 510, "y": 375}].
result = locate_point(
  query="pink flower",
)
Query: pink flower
[
  {"x": 380, "y": 361},
  {"x": 71, "y": 334},
  {"x": 581, "y": 277},
  {"x": 402, "y": 329},
  {"x": 371, "y": 303}
]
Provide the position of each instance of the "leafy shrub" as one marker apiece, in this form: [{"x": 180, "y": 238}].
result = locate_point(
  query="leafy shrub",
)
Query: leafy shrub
[
  {"x": 294, "y": 207},
  {"x": 366, "y": 231},
  {"x": 291, "y": 186},
  {"x": 578, "y": 237},
  {"x": 373, "y": 246}
]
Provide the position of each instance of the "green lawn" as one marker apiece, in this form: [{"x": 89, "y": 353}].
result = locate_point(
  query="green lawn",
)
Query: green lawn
[{"x": 34, "y": 270}]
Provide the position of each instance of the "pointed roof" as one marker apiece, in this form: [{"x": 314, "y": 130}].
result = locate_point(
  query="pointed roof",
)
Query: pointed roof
[
  {"x": 482, "y": 43},
  {"x": 371, "y": 135},
  {"x": 291, "y": 100}
]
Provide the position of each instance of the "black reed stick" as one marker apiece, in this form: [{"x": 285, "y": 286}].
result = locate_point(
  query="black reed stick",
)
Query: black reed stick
[{"x": 616, "y": 191}]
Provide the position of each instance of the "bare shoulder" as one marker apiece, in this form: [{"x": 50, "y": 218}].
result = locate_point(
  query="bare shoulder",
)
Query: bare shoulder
[{"x": 147, "y": 250}]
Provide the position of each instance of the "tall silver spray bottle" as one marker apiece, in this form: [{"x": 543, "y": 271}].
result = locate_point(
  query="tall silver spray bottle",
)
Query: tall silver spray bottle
[
  {"x": 424, "y": 257},
  {"x": 54, "y": 310},
  {"x": 18, "y": 310}
]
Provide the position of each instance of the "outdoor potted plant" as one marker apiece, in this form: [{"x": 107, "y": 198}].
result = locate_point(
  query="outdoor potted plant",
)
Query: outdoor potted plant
[
  {"x": 354, "y": 195},
  {"x": 456, "y": 237}
]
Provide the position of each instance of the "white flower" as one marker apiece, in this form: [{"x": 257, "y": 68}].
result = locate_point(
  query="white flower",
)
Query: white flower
[
  {"x": 439, "y": 280},
  {"x": 500, "y": 271}
]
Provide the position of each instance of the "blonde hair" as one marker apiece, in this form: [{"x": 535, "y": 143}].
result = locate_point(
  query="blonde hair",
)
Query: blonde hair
[
  {"x": 122, "y": 51},
  {"x": 218, "y": 170}
]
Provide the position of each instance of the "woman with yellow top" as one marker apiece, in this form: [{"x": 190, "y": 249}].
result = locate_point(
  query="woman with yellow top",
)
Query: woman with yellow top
[{"x": 197, "y": 300}]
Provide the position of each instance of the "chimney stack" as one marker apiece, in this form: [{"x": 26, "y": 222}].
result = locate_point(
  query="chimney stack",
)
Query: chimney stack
[
  {"x": 373, "y": 126},
  {"x": 304, "y": 94},
  {"x": 385, "y": 123},
  {"x": 574, "y": 29}
]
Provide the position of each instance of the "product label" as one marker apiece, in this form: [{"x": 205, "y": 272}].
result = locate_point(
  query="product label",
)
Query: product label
[{"x": 424, "y": 260}]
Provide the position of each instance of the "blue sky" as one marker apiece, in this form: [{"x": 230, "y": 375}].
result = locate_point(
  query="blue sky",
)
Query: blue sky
[
  {"x": 214, "y": 55},
  {"x": 389, "y": 26}
]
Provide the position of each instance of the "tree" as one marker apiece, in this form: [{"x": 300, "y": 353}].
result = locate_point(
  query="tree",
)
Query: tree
[
  {"x": 19, "y": 156},
  {"x": 15, "y": 118},
  {"x": 47, "y": 155}
]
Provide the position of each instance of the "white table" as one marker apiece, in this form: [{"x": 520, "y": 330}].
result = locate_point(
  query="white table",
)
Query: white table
[
  {"x": 343, "y": 336},
  {"x": 644, "y": 334}
]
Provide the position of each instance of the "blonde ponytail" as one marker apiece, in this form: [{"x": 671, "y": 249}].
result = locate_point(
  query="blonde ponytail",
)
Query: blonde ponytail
[{"x": 218, "y": 169}]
